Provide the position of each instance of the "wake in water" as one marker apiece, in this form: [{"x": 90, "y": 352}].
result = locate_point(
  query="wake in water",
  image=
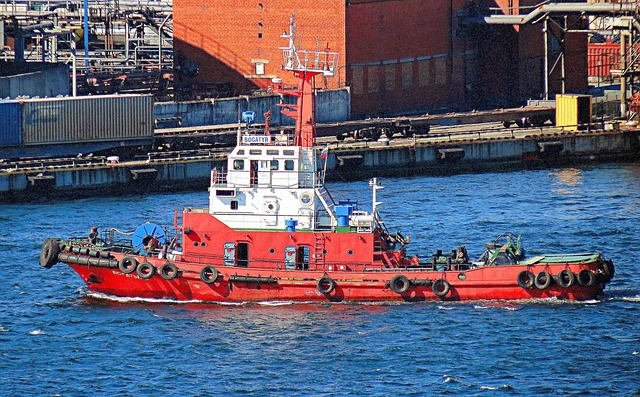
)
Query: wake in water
[
  {"x": 454, "y": 380},
  {"x": 624, "y": 295},
  {"x": 113, "y": 298},
  {"x": 512, "y": 305}
]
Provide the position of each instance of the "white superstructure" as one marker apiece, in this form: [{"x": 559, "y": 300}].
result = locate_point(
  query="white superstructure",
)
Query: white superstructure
[{"x": 269, "y": 182}]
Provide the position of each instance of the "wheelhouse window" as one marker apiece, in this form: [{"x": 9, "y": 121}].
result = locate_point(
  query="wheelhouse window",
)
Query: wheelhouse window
[
  {"x": 255, "y": 152},
  {"x": 274, "y": 165},
  {"x": 225, "y": 193},
  {"x": 273, "y": 152},
  {"x": 288, "y": 165},
  {"x": 238, "y": 165},
  {"x": 234, "y": 204},
  {"x": 288, "y": 152}
]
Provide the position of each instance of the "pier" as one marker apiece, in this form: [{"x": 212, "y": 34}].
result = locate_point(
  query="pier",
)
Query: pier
[{"x": 444, "y": 150}]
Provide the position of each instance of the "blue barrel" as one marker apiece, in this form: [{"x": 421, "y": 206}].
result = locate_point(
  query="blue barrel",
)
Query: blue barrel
[
  {"x": 343, "y": 212},
  {"x": 291, "y": 225}
]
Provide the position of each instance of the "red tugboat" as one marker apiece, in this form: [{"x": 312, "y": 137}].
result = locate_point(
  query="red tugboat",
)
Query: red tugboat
[{"x": 272, "y": 232}]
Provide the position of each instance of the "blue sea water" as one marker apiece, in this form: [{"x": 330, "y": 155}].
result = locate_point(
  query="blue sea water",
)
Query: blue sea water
[{"x": 58, "y": 340}]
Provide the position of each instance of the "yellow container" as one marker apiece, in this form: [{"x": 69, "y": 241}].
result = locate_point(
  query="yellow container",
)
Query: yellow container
[{"x": 573, "y": 112}]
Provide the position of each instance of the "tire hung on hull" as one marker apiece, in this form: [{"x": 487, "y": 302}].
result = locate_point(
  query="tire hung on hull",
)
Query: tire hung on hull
[
  {"x": 607, "y": 269},
  {"x": 49, "y": 253},
  {"x": 566, "y": 278},
  {"x": 326, "y": 285},
  {"x": 526, "y": 279},
  {"x": 441, "y": 287},
  {"x": 586, "y": 278},
  {"x": 400, "y": 284},
  {"x": 146, "y": 270},
  {"x": 127, "y": 264},
  {"x": 543, "y": 280},
  {"x": 209, "y": 274},
  {"x": 169, "y": 271}
]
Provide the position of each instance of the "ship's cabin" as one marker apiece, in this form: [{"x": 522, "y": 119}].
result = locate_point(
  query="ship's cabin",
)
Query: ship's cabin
[{"x": 271, "y": 184}]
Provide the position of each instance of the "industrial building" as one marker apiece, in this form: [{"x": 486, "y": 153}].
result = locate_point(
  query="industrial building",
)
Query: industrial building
[{"x": 397, "y": 56}]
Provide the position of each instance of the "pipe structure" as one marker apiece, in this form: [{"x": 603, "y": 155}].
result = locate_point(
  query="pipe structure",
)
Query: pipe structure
[
  {"x": 86, "y": 32},
  {"x": 555, "y": 8}
]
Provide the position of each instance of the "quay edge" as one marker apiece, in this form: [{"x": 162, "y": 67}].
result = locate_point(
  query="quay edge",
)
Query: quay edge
[{"x": 345, "y": 162}]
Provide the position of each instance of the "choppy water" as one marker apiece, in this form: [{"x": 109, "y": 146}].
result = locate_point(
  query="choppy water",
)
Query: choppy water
[{"x": 57, "y": 340}]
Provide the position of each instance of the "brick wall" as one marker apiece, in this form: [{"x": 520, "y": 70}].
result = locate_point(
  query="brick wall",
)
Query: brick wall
[
  {"x": 238, "y": 40},
  {"x": 405, "y": 56},
  {"x": 398, "y": 56}
]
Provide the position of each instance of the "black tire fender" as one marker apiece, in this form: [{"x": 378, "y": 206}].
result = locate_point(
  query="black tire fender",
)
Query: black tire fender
[
  {"x": 49, "y": 253},
  {"x": 441, "y": 287},
  {"x": 542, "y": 280},
  {"x": 146, "y": 270},
  {"x": 566, "y": 278},
  {"x": 209, "y": 274},
  {"x": 127, "y": 264},
  {"x": 326, "y": 285},
  {"x": 586, "y": 278},
  {"x": 608, "y": 269},
  {"x": 526, "y": 279},
  {"x": 169, "y": 271},
  {"x": 400, "y": 284}
]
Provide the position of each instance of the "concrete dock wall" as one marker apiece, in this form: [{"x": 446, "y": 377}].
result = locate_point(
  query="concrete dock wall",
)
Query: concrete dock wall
[
  {"x": 344, "y": 162},
  {"x": 481, "y": 154}
]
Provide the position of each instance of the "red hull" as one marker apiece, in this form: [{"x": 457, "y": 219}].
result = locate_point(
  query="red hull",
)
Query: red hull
[{"x": 252, "y": 285}]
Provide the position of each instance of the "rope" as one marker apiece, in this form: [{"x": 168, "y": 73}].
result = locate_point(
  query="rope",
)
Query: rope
[{"x": 121, "y": 232}]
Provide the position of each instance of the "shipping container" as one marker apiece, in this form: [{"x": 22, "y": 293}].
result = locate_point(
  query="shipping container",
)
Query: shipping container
[
  {"x": 573, "y": 112},
  {"x": 602, "y": 58},
  {"x": 87, "y": 119},
  {"x": 10, "y": 124}
]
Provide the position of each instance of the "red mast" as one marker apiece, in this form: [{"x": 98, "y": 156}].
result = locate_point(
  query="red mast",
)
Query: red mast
[{"x": 305, "y": 65}]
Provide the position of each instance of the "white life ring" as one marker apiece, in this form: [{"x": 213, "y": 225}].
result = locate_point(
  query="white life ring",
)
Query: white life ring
[{"x": 306, "y": 199}]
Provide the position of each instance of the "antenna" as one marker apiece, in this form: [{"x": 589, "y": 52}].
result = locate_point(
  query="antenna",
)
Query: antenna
[{"x": 305, "y": 65}]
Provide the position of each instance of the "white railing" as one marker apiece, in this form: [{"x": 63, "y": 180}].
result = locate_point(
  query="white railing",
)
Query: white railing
[
  {"x": 325, "y": 62},
  {"x": 266, "y": 179}
]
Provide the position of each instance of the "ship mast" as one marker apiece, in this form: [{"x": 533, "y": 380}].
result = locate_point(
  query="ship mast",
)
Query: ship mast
[{"x": 305, "y": 65}]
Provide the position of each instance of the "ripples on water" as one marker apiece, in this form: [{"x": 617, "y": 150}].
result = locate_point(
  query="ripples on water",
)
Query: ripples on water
[{"x": 55, "y": 339}]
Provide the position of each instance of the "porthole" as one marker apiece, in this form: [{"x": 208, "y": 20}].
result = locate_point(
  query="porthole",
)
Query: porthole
[
  {"x": 324, "y": 252},
  {"x": 462, "y": 276},
  {"x": 272, "y": 250},
  {"x": 204, "y": 244},
  {"x": 350, "y": 252},
  {"x": 196, "y": 244}
]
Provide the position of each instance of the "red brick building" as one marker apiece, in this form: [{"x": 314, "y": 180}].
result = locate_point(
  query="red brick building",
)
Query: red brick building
[{"x": 397, "y": 56}]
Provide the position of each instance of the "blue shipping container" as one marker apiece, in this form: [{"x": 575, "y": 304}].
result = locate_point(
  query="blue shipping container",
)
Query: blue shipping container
[{"x": 10, "y": 124}]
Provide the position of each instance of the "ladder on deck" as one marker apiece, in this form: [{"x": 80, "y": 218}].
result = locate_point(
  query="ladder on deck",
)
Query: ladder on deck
[
  {"x": 325, "y": 198},
  {"x": 319, "y": 248}
]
